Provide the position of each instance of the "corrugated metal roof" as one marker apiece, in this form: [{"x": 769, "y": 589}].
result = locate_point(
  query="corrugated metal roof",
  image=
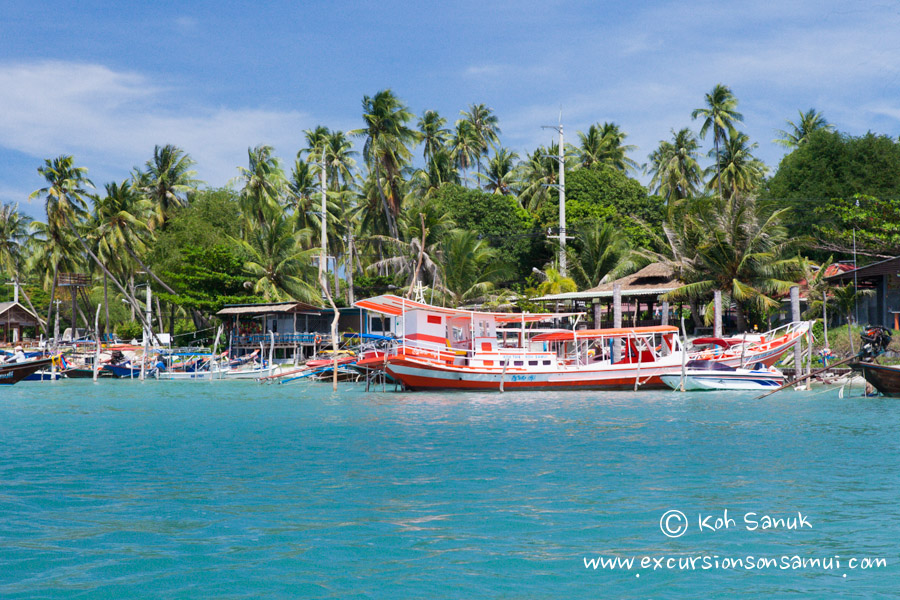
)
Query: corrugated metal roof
[
  {"x": 268, "y": 309},
  {"x": 890, "y": 266}
]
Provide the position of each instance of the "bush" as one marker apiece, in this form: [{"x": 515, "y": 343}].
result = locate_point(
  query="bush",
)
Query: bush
[{"x": 129, "y": 330}]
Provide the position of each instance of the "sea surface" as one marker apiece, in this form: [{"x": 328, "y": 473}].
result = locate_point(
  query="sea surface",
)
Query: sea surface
[{"x": 237, "y": 490}]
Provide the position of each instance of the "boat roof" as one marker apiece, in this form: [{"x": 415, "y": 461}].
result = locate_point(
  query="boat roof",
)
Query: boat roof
[
  {"x": 724, "y": 342},
  {"x": 389, "y": 304},
  {"x": 585, "y": 334}
]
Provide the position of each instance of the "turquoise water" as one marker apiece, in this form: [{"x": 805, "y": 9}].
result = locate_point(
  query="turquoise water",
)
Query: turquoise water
[{"x": 235, "y": 490}]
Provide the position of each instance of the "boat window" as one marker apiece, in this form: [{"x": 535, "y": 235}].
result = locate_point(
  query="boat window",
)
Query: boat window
[
  {"x": 518, "y": 363},
  {"x": 546, "y": 362},
  {"x": 533, "y": 363},
  {"x": 458, "y": 334}
]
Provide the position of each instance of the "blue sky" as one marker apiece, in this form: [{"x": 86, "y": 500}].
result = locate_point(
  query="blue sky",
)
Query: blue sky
[{"x": 108, "y": 81}]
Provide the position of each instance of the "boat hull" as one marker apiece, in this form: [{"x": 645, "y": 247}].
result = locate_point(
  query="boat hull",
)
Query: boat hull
[
  {"x": 16, "y": 372},
  {"x": 712, "y": 380},
  {"x": 883, "y": 378},
  {"x": 417, "y": 374}
]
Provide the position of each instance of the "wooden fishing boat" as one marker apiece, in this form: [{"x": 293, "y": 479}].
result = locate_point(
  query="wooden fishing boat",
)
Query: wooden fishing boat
[
  {"x": 446, "y": 348},
  {"x": 11, "y": 373},
  {"x": 884, "y": 378}
]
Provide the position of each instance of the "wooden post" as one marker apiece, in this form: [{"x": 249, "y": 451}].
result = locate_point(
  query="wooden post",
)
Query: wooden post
[
  {"x": 795, "y": 316},
  {"x": 665, "y": 312},
  {"x": 717, "y": 315},
  {"x": 597, "y": 314}
]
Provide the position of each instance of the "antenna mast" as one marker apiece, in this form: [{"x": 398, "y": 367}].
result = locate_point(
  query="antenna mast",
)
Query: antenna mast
[{"x": 561, "y": 186}]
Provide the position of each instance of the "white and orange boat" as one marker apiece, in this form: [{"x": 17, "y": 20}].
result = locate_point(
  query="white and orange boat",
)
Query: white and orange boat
[{"x": 448, "y": 348}]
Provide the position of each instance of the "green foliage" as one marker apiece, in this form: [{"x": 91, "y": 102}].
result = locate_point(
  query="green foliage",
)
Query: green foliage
[
  {"x": 129, "y": 330},
  {"x": 211, "y": 218},
  {"x": 499, "y": 220},
  {"x": 606, "y": 195},
  {"x": 366, "y": 286},
  {"x": 876, "y": 223},
  {"x": 836, "y": 165},
  {"x": 207, "y": 279}
]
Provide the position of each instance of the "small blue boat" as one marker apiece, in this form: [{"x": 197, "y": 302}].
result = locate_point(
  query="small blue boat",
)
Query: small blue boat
[{"x": 127, "y": 371}]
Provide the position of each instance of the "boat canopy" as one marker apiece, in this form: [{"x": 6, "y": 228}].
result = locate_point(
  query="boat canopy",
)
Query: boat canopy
[
  {"x": 389, "y": 304},
  {"x": 724, "y": 342},
  {"x": 595, "y": 334}
]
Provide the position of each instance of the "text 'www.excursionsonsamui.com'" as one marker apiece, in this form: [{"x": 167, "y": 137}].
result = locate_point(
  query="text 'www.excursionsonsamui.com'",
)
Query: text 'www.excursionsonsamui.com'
[{"x": 742, "y": 563}]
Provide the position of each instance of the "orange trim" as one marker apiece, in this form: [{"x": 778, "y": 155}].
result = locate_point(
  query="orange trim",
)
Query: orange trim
[
  {"x": 428, "y": 338},
  {"x": 585, "y": 334}
]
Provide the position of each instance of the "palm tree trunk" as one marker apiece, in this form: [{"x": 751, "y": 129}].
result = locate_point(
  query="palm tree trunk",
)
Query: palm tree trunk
[
  {"x": 415, "y": 278},
  {"x": 52, "y": 290},
  {"x": 131, "y": 287},
  {"x": 740, "y": 318},
  {"x": 695, "y": 313},
  {"x": 350, "y": 291},
  {"x": 718, "y": 172},
  {"x": 106, "y": 303},
  {"x": 384, "y": 203}
]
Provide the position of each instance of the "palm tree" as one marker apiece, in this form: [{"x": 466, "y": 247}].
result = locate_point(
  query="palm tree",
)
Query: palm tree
[
  {"x": 386, "y": 149},
  {"x": 484, "y": 124},
  {"x": 279, "y": 260},
  {"x": 301, "y": 187},
  {"x": 798, "y": 133},
  {"x": 604, "y": 145},
  {"x": 264, "y": 182},
  {"x": 434, "y": 133},
  {"x": 736, "y": 168},
  {"x": 744, "y": 251},
  {"x": 501, "y": 172},
  {"x": 539, "y": 172},
  {"x": 316, "y": 139},
  {"x": 423, "y": 226},
  {"x": 465, "y": 147},
  {"x": 120, "y": 227},
  {"x": 601, "y": 250},
  {"x": 339, "y": 162},
  {"x": 439, "y": 170},
  {"x": 556, "y": 283},
  {"x": 676, "y": 175},
  {"x": 469, "y": 267},
  {"x": 720, "y": 116},
  {"x": 167, "y": 180},
  {"x": 64, "y": 204},
  {"x": 14, "y": 235}
]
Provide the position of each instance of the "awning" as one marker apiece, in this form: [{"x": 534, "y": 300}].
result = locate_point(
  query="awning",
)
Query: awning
[{"x": 389, "y": 304}]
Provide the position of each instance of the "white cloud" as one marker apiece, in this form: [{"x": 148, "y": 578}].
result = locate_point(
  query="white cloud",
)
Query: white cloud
[{"x": 111, "y": 120}]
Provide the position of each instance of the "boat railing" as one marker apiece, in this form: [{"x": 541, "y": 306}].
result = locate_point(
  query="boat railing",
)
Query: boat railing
[{"x": 306, "y": 338}]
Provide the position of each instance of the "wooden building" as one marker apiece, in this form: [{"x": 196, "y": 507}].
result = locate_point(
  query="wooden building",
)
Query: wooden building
[
  {"x": 16, "y": 322},
  {"x": 298, "y": 329},
  {"x": 882, "y": 307}
]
